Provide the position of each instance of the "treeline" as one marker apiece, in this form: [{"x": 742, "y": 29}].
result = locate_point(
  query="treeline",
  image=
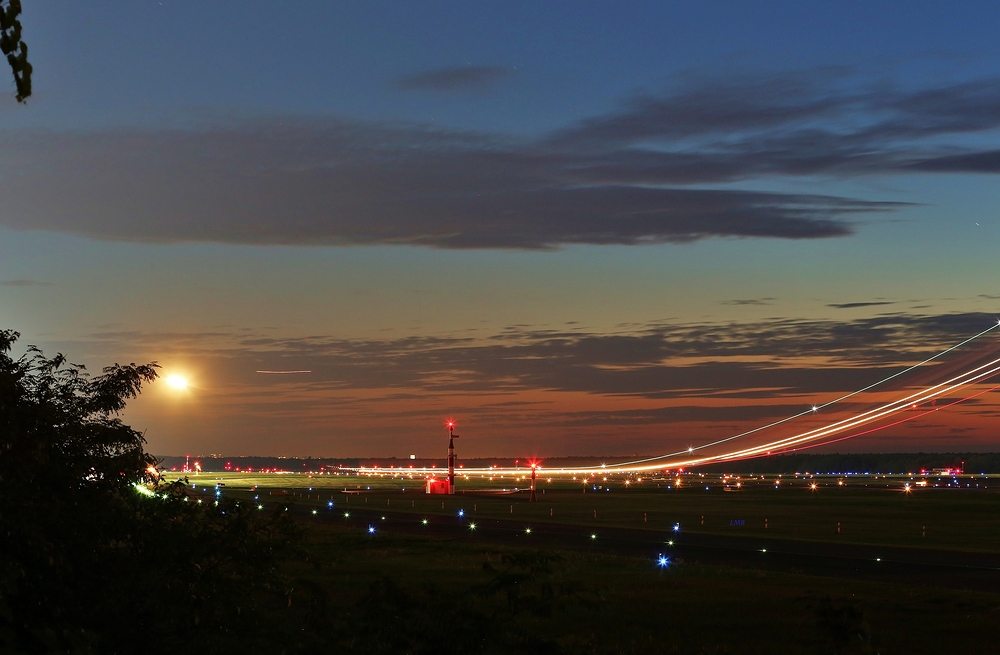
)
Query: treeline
[
  {"x": 219, "y": 463},
  {"x": 861, "y": 463},
  {"x": 813, "y": 462}
]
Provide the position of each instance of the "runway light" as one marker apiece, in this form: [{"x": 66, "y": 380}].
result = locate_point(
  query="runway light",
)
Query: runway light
[
  {"x": 593, "y": 536},
  {"x": 461, "y": 513},
  {"x": 670, "y": 543},
  {"x": 472, "y": 526},
  {"x": 371, "y": 529},
  {"x": 330, "y": 504},
  {"x": 527, "y": 531},
  {"x": 260, "y": 507},
  {"x": 662, "y": 561},
  {"x": 424, "y": 521},
  {"x": 314, "y": 512},
  {"x": 677, "y": 527},
  {"x": 347, "y": 515}
]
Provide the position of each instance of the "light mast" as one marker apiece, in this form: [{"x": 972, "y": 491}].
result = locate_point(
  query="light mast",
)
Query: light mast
[{"x": 451, "y": 456}]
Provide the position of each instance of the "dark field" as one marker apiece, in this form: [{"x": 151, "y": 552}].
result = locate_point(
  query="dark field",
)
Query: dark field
[{"x": 907, "y": 572}]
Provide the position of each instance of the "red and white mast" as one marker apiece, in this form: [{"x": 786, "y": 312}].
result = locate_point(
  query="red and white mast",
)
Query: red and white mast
[{"x": 451, "y": 456}]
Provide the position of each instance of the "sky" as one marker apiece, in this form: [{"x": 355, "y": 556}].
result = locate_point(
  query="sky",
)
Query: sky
[{"x": 592, "y": 228}]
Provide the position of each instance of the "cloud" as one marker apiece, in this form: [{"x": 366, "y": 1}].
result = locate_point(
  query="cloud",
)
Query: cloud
[
  {"x": 454, "y": 79},
  {"x": 342, "y": 183},
  {"x": 24, "y": 283},
  {"x": 658, "y": 386},
  {"x": 669, "y": 361},
  {"x": 749, "y": 301},
  {"x": 659, "y": 169},
  {"x": 975, "y": 162},
  {"x": 854, "y": 305}
]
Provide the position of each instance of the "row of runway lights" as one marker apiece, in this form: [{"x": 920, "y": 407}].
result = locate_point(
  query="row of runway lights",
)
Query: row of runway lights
[{"x": 662, "y": 560}]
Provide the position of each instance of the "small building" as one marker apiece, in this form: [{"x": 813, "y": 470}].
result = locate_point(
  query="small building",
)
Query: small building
[{"x": 435, "y": 486}]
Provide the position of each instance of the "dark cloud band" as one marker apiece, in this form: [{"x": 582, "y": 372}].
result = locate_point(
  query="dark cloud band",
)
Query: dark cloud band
[{"x": 649, "y": 173}]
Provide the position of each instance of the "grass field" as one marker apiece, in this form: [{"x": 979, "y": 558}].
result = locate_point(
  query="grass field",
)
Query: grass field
[
  {"x": 406, "y": 588},
  {"x": 867, "y": 509},
  {"x": 631, "y": 606}
]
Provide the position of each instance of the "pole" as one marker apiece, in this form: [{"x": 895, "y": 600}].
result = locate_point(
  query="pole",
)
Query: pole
[
  {"x": 451, "y": 457},
  {"x": 533, "y": 499}
]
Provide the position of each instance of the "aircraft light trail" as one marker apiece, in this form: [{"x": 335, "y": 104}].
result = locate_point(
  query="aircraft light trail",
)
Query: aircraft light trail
[
  {"x": 815, "y": 408},
  {"x": 808, "y": 439}
]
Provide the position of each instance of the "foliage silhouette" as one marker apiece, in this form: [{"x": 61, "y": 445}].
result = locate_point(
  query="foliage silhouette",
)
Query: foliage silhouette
[
  {"x": 98, "y": 551},
  {"x": 14, "y": 48}
]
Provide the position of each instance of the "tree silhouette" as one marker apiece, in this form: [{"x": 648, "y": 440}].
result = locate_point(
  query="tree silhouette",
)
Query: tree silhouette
[
  {"x": 98, "y": 552},
  {"x": 14, "y": 48}
]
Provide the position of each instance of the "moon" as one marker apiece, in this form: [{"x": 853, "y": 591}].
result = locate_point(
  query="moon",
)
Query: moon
[{"x": 177, "y": 382}]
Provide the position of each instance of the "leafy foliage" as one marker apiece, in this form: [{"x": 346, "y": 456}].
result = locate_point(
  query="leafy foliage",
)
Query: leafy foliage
[
  {"x": 98, "y": 551},
  {"x": 14, "y": 48}
]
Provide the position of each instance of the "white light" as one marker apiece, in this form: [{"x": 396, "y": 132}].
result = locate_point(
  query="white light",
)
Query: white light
[{"x": 177, "y": 382}]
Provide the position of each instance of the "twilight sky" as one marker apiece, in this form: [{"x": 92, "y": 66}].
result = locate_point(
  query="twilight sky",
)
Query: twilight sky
[{"x": 578, "y": 228}]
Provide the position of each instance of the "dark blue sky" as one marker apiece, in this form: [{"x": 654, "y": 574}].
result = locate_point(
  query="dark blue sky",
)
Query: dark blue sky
[
  {"x": 229, "y": 186},
  {"x": 140, "y": 62}
]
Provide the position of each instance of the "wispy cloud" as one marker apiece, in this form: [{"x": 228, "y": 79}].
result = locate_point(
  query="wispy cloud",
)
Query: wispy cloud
[
  {"x": 653, "y": 171},
  {"x": 855, "y": 305},
  {"x": 736, "y": 360},
  {"x": 24, "y": 283},
  {"x": 458, "y": 78},
  {"x": 749, "y": 301}
]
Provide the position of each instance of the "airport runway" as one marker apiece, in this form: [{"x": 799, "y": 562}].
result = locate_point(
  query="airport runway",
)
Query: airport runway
[{"x": 939, "y": 568}]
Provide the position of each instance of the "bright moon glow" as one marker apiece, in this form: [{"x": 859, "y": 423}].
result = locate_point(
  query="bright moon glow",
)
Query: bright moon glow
[{"x": 177, "y": 382}]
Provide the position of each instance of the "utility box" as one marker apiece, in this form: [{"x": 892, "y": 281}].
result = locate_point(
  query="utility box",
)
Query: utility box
[{"x": 435, "y": 486}]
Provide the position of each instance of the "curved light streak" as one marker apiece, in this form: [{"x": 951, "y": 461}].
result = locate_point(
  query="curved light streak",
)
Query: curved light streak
[
  {"x": 813, "y": 409},
  {"x": 930, "y": 393},
  {"x": 889, "y": 425},
  {"x": 972, "y": 376}
]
